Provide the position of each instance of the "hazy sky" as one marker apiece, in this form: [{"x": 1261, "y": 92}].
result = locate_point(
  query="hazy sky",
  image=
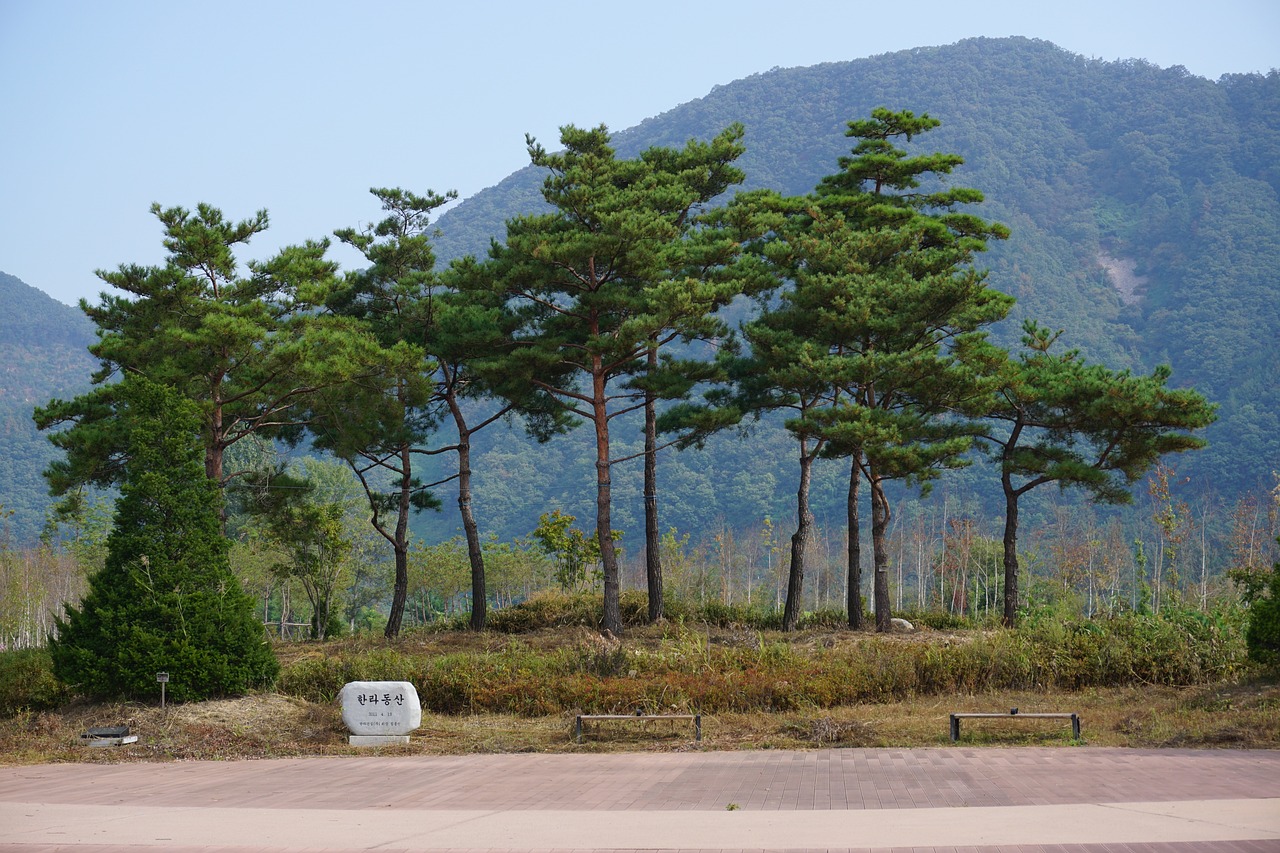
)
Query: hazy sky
[{"x": 301, "y": 107}]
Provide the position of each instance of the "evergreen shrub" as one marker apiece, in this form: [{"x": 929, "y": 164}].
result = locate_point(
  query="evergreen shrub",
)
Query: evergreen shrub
[
  {"x": 166, "y": 599},
  {"x": 27, "y": 682},
  {"x": 1263, "y": 634}
]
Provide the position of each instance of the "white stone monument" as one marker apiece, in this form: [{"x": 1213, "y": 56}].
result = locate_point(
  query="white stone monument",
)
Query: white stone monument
[{"x": 380, "y": 712}]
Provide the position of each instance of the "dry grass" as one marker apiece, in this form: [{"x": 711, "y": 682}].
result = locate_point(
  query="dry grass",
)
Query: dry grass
[
  {"x": 1233, "y": 713},
  {"x": 1245, "y": 715}
]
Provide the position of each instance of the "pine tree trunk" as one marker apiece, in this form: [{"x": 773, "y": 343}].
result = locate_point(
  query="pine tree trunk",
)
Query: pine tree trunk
[
  {"x": 880, "y": 549},
  {"x": 213, "y": 456},
  {"x": 854, "y": 594},
  {"x": 214, "y": 447},
  {"x": 612, "y": 620},
  {"x": 475, "y": 556},
  {"x": 799, "y": 542},
  {"x": 400, "y": 544},
  {"x": 652, "y": 538},
  {"x": 1010, "y": 616}
]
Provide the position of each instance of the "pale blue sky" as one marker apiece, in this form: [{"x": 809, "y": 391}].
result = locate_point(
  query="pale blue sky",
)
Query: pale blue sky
[{"x": 301, "y": 107}]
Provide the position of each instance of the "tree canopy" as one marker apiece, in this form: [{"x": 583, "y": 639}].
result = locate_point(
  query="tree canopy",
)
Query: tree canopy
[{"x": 1055, "y": 418}]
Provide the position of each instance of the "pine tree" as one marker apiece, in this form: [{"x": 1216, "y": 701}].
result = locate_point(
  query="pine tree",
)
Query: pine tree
[
  {"x": 877, "y": 306},
  {"x": 166, "y": 599},
  {"x": 380, "y": 424},
  {"x": 1055, "y": 418},
  {"x": 244, "y": 348},
  {"x": 606, "y": 278},
  {"x": 434, "y": 337}
]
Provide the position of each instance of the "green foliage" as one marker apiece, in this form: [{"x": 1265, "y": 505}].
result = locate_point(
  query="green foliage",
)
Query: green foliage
[
  {"x": 1253, "y": 580},
  {"x": 166, "y": 599},
  {"x": 1097, "y": 167},
  {"x": 1100, "y": 167},
  {"x": 44, "y": 350},
  {"x": 320, "y": 678},
  {"x": 245, "y": 349},
  {"x": 1055, "y": 418},
  {"x": 573, "y": 550},
  {"x": 380, "y": 424},
  {"x": 1081, "y": 424},
  {"x": 558, "y": 609},
  {"x": 27, "y": 682},
  {"x": 613, "y": 273},
  {"x": 864, "y": 336},
  {"x": 309, "y": 518},
  {"x": 1263, "y": 634}
]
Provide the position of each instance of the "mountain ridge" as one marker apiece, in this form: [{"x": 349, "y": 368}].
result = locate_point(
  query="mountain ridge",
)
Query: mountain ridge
[
  {"x": 1106, "y": 172},
  {"x": 43, "y": 354},
  {"x": 1097, "y": 167}
]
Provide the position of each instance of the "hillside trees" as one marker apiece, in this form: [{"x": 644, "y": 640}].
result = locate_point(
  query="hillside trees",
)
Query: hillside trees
[
  {"x": 604, "y": 279},
  {"x": 436, "y": 337},
  {"x": 1085, "y": 159},
  {"x": 1055, "y": 418},
  {"x": 166, "y": 598},
  {"x": 878, "y": 307},
  {"x": 379, "y": 423},
  {"x": 246, "y": 349},
  {"x": 307, "y": 516}
]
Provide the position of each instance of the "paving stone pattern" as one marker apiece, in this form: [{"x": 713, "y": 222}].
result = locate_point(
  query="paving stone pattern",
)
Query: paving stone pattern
[{"x": 834, "y": 779}]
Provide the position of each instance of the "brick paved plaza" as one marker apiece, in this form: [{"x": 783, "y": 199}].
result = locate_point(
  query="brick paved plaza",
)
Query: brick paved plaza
[{"x": 1067, "y": 800}]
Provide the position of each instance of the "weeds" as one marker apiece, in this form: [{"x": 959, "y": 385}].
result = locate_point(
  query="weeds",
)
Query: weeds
[
  {"x": 1139, "y": 680},
  {"x": 702, "y": 669}
]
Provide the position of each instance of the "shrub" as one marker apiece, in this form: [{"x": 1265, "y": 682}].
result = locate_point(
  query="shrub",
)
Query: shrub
[
  {"x": 830, "y": 619},
  {"x": 320, "y": 679},
  {"x": 559, "y": 609},
  {"x": 27, "y": 682},
  {"x": 166, "y": 599},
  {"x": 1263, "y": 634}
]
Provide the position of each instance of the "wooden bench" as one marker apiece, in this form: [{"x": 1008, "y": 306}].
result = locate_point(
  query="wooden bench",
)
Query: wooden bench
[
  {"x": 1013, "y": 712},
  {"x": 108, "y": 736},
  {"x": 697, "y": 721}
]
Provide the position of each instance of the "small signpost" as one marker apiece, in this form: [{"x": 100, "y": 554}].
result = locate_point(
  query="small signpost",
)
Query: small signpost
[{"x": 162, "y": 678}]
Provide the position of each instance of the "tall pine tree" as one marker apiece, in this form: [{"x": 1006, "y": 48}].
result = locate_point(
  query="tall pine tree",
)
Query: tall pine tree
[
  {"x": 247, "y": 349},
  {"x": 877, "y": 306},
  {"x": 603, "y": 282}
]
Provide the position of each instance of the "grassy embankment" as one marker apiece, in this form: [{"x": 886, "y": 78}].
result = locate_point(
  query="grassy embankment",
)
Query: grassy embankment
[{"x": 1178, "y": 680}]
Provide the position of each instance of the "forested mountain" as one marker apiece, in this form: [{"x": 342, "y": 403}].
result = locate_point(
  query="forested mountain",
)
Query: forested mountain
[
  {"x": 1142, "y": 201},
  {"x": 1145, "y": 217},
  {"x": 43, "y": 354}
]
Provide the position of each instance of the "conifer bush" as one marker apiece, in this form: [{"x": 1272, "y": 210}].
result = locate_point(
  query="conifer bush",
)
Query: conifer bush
[
  {"x": 1262, "y": 637},
  {"x": 166, "y": 599},
  {"x": 27, "y": 682}
]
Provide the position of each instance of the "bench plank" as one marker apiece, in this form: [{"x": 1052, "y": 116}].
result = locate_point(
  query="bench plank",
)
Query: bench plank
[
  {"x": 1013, "y": 713},
  {"x": 697, "y": 721}
]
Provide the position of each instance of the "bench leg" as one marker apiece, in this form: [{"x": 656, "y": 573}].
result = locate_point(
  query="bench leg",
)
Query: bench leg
[
  {"x": 1075, "y": 726},
  {"x": 577, "y": 730},
  {"x": 697, "y": 727},
  {"x": 955, "y": 728}
]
